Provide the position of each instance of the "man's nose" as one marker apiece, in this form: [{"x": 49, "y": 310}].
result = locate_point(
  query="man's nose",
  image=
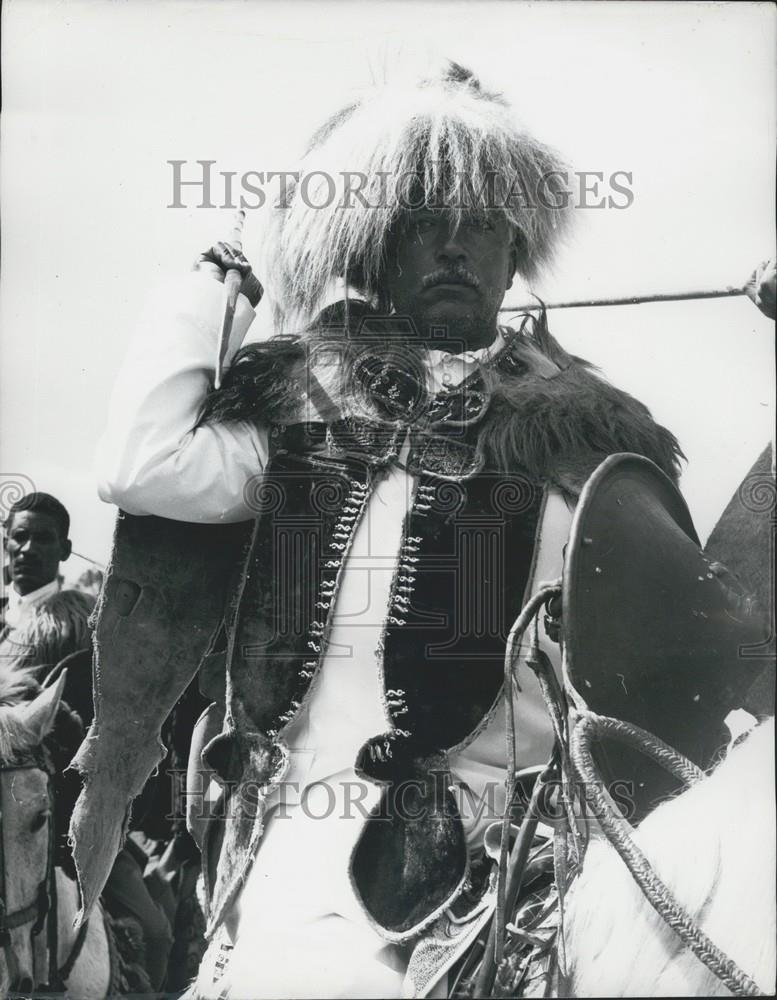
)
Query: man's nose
[{"x": 451, "y": 248}]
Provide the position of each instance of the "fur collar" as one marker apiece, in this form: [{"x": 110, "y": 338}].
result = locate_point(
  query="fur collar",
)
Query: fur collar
[{"x": 548, "y": 412}]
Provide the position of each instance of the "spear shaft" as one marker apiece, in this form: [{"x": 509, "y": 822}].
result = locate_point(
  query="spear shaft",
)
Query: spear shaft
[
  {"x": 629, "y": 300},
  {"x": 233, "y": 279}
]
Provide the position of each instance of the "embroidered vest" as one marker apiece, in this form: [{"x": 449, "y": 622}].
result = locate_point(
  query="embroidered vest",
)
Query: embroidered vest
[{"x": 464, "y": 563}]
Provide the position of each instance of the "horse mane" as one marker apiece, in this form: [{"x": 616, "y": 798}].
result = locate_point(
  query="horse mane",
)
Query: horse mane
[
  {"x": 713, "y": 846},
  {"x": 17, "y": 684}
]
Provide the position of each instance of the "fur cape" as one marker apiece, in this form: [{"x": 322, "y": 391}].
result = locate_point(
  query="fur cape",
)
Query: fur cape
[{"x": 551, "y": 414}]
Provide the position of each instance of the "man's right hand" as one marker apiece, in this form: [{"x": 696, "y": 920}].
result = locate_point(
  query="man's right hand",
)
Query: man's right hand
[
  {"x": 223, "y": 257},
  {"x": 761, "y": 287}
]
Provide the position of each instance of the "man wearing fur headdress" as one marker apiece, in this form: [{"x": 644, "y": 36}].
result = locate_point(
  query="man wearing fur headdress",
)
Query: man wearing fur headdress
[{"x": 406, "y": 469}]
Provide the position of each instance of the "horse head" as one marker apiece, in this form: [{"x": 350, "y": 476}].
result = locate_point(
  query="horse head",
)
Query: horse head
[{"x": 26, "y": 836}]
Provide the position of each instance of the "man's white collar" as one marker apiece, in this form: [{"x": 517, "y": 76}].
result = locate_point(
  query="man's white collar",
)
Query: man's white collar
[
  {"x": 471, "y": 357},
  {"x": 20, "y": 605}
]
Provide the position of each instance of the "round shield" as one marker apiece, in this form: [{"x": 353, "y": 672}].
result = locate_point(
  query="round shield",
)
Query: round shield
[{"x": 656, "y": 633}]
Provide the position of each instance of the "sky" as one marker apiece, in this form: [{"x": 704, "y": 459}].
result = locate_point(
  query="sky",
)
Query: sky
[{"x": 99, "y": 95}]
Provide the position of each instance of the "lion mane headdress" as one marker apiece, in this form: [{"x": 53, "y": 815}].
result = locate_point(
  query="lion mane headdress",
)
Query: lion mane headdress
[{"x": 443, "y": 140}]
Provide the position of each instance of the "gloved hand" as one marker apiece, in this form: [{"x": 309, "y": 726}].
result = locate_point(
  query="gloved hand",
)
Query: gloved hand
[{"x": 223, "y": 257}]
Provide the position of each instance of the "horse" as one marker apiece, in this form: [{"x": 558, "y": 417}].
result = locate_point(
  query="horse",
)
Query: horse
[
  {"x": 743, "y": 540},
  {"x": 39, "y": 900},
  {"x": 43, "y": 945},
  {"x": 713, "y": 846},
  {"x": 743, "y": 537}
]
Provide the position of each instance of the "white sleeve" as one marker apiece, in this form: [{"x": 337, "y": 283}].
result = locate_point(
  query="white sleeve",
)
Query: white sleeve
[{"x": 152, "y": 458}]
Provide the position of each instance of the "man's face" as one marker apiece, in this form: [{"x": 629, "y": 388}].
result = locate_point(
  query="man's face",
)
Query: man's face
[
  {"x": 35, "y": 550},
  {"x": 450, "y": 278}
]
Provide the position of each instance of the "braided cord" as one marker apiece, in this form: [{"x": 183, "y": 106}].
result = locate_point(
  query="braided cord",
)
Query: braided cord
[
  {"x": 589, "y": 726},
  {"x": 596, "y": 726},
  {"x": 520, "y": 625},
  {"x": 494, "y": 949}
]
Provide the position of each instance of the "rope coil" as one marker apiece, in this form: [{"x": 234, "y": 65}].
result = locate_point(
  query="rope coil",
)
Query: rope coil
[{"x": 588, "y": 727}]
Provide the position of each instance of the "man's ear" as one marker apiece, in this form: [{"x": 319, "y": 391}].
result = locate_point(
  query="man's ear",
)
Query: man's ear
[
  {"x": 67, "y": 548},
  {"x": 512, "y": 266},
  {"x": 517, "y": 253},
  {"x": 40, "y": 714}
]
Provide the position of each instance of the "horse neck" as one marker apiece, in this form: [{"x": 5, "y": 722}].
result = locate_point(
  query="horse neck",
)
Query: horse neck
[
  {"x": 713, "y": 846},
  {"x": 90, "y": 976}
]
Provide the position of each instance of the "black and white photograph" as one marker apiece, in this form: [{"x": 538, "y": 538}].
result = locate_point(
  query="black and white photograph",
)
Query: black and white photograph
[{"x": 388, "y": 504}]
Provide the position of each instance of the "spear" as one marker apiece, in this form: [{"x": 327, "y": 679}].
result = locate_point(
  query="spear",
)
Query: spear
[
  {"x": 233, "y": 279},
  {"x": 629, "y": 300}
]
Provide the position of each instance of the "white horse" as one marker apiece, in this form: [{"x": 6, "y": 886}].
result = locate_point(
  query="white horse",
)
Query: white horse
[
  {"x": 27, "y": 858},
  {"x": 713, "y": 846}
]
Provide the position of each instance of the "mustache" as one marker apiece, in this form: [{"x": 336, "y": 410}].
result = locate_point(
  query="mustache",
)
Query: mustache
[{"x": 450, "y": 276}]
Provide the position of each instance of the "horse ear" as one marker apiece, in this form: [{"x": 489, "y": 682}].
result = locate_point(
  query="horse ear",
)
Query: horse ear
[{"x": 39, "y": 714}]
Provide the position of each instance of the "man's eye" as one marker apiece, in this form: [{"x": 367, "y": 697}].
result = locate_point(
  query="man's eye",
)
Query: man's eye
[
  {"x": 483, "y": 224},
  {"x": 425, "y": 225}
]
